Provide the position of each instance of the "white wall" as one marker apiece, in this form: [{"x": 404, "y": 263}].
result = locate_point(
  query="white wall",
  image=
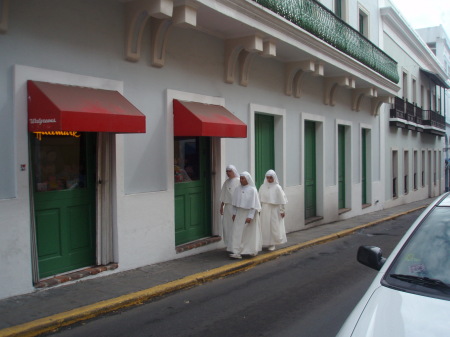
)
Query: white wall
[{"x": 82, "y": 43}]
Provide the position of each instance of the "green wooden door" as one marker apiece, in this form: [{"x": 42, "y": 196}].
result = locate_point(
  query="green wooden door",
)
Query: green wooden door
[
  {"x": 192, "y": 188},
  {"x": 364, "y": 167},
  {"x": 64, "y": 172},
  {"x": 264, "y": 147},
  {"x": 341, "y": 166},
  {"x": 310, "y": 169}
]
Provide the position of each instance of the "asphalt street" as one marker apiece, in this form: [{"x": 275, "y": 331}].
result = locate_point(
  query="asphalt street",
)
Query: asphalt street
[
  {"x": 46, "y": 310},
  {"x": 308, "y": 294}
]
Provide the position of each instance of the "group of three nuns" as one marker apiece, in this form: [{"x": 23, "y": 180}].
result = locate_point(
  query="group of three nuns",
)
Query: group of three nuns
[{"x": 251, "y": 220}]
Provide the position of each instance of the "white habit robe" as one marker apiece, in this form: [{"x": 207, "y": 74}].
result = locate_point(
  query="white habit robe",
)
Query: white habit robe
[
  {"x": 273, "y": 201},
  {"x": 246, "y": 238},
  {"x": 226, "y": 196}
]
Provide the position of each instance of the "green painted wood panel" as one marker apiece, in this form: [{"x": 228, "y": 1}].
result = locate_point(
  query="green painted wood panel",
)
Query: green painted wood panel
[
  {"x": 364, "y": 166},
  {"x": 310, "y": 170},
  {"x": 264, "y": 146},
  {"x": 192, "y": 189},
  {"x": 338, "y": 8},
  {"x": 341, "y": 166},
  {"x": 64, "y": 174}
]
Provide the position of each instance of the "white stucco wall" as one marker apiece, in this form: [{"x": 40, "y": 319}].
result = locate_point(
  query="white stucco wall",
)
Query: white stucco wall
[
  {"x": 82, "y": 43},
  {"x": 410, "y": 61}
]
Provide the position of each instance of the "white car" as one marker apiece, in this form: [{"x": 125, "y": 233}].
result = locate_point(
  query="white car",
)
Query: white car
[{"x": 410, "y": 295}]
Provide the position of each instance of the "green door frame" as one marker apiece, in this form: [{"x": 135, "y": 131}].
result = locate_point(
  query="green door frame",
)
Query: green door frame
[
  {"x": 193, "y": 198},
  {"x": 341, "y": 166},
  {"x": 310, "y": 170},
  {"x": 264, "y": 146}
]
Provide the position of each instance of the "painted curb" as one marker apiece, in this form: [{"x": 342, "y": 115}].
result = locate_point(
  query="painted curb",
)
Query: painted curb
[{"x": 54, "y": 322}]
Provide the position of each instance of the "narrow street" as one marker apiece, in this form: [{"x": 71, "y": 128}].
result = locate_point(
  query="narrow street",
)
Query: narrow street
[{"x": 307, "y": 294}]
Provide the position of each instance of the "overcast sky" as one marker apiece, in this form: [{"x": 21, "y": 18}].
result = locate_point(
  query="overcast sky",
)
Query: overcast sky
[{"x": 429, "y": 13}]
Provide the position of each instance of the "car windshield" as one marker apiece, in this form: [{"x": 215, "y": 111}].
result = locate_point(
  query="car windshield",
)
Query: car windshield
[{"x": 424, "y": 262}]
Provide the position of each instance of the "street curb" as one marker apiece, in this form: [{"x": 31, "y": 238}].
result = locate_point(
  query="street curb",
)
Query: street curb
[{"x": 54, "y": 322}]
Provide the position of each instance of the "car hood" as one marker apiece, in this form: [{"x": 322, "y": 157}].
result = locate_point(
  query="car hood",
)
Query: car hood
[{"x": 395, "y": 313}]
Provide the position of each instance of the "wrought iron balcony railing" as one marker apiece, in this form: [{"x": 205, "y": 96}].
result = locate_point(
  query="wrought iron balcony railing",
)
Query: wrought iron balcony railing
[
  {"x": 408, "y": 115},
  {"x": 399, "y": 104},
  {"x": 419, "y": 115},
  {"x": 321, "y": 22},
  {"x": 433, "y": 119},
  {"x": 410, "y": 112}
]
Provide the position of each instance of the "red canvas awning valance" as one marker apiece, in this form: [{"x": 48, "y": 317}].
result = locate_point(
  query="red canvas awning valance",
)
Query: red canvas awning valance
[
  {"x": 58, "y": 107},
  {"x": 199, "y": 119}
]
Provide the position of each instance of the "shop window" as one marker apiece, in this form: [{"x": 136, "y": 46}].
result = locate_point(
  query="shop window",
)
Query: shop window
[
  {"x": 186, "y": 159},
  {"x": 59, "y": 162}
]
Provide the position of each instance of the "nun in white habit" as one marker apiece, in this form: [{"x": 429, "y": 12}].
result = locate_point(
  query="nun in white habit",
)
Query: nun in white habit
[
  {"x": 273, "y": 202},
  {"x": 246, "y": 234},
  {"x": 226, "y": 208}
]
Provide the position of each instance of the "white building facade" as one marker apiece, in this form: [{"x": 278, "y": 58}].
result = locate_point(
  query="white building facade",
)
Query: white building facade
[
  {"x": 415, "y": 121},
  {"x": 437, "y": 40},
  {"x": 119, "y": 118}
]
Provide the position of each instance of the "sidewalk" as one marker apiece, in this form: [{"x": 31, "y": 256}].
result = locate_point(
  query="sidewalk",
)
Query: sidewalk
[{"x": 46, "y": 310}]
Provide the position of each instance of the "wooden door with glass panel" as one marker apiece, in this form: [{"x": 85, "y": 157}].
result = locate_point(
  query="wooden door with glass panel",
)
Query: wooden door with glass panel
[
  {"x": 192, "y": 188},
  {"x": 63, "y": 170}
]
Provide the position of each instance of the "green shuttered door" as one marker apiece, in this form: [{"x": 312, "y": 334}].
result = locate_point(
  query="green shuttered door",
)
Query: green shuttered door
[
  {"x": 264, "y": 146},
  {"x": 64, "y": 174},
  {"x": 341, "y": 166},
  {"x": 310, "y": 169},
  {"x": 364, "y": 167},
  {"x": 192, "y": 189}
]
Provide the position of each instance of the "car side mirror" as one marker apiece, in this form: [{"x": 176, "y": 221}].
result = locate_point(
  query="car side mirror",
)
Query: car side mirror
[{"x": 371, "y": 256}]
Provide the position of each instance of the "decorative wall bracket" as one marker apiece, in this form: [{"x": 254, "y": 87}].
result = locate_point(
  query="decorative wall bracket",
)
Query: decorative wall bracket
[
  {"x": 159, "y": 33},
  {"x": 269, "y": 49},
  {"x": 331, "y": 84},
  {"x": 242, "y": 51},
  {"x": 358, "y": 95},
  {"x": 4, "y": 11},
  {"x": 163, "y": 16},
  {"x": 377, "y": 101},
  {"x": 318, "y": 71},
  {"x": 295, "y": 74}
]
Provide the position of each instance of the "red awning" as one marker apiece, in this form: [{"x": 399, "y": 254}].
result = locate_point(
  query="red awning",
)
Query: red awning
[
  {"x": 58, "y": 107},
  {"x": 198, "y": 119}
]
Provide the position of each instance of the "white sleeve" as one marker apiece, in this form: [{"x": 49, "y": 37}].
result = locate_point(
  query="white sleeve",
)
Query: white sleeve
[{"x": 251, "y": 213}]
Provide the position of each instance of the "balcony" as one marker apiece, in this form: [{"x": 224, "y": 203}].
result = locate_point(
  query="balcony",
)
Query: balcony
[
  {"x": 322, "y": 23},
  {"x": 419, "y": 119},
  {"x": 433, "y": 122},
  {"x": 410, "y": 116},
  {"x": 406, "y": 115},
  {"x": 397, "y": 113}
]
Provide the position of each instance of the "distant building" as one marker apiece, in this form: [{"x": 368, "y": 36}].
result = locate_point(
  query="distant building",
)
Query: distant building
[
  {"x": 414, "y": 137},
  {"x": 437, "y": 40}
]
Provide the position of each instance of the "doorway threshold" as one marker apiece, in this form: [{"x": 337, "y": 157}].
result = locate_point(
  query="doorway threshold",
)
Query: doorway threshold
[
  {"x": 310, "y": 220},
  {"x": 197, "y": 243},
  {"x": 73, "y": 275}
]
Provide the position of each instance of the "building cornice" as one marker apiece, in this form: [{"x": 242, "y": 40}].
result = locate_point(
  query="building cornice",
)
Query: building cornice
[
  {"x": 393, "y": 19},
  {"x": 274, "y": 27}
]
